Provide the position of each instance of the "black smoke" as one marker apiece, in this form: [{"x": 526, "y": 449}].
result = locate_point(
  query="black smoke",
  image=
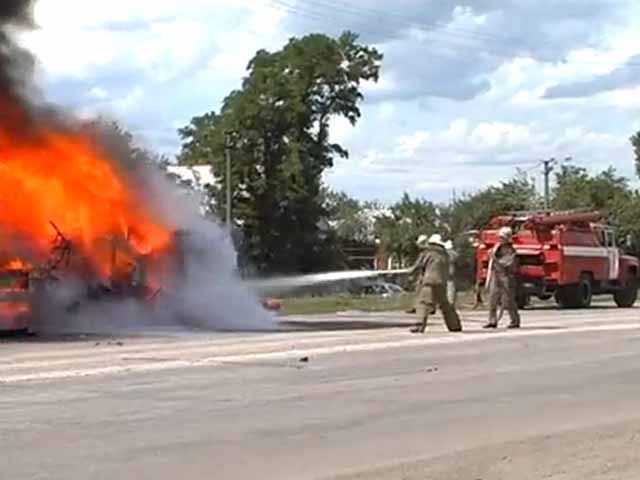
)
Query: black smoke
[{"x": 16, "y": 63}]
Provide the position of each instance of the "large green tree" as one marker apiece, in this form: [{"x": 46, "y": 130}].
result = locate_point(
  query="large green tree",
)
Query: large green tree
[{"x": 278, "y": 122}]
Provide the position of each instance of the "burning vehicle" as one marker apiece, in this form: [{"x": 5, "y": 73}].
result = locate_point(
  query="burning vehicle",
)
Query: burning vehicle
[
  {"x": 86, "y": 220},
  {"x": 74, "y": 214}
]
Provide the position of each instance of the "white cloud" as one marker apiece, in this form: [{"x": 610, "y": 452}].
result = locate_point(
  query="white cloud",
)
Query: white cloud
[
  {"x": 98, "y": 93},
  {"x": 460, "y": 102}
]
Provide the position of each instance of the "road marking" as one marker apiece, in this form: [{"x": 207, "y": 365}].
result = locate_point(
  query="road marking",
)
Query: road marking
[
  {"x": 295, "y": 353},
  {"x": 176, "y": 350}
]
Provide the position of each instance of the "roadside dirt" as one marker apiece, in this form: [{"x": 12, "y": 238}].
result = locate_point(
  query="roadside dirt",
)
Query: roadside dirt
[{"x": 605, "y": 453}]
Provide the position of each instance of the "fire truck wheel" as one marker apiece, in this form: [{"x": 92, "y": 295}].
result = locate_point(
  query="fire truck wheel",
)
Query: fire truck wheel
[
  {"x": 523, "y": 300},
  {"x": 626, "y": 297},
  {"x": 575, "y": 296},
  {"x": 584, "y": 292},
  {"x": 563, "y": 297}
]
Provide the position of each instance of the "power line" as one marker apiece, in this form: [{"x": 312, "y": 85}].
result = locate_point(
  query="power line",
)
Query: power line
[
  {"x": 445, "y": 51},
  {"x": 404, "y": 20},
  {"x": 430, "y": 26},
  {"x": 321, "y": 10}
]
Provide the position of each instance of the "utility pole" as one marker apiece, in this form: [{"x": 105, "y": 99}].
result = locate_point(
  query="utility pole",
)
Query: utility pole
[
  {"x": 227, "y": 151},
  {"x": 548, "y": 168}
]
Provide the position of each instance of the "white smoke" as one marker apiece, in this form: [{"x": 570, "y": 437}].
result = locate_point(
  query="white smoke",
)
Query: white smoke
[{"x": 208, "y": 294}]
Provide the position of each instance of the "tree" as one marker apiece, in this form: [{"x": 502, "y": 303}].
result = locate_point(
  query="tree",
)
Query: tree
[
  {"x": 606, "y": 192},
  {"x": 575, "y": 188},
  {"x": 407, "y": 220},
  {"x": 474, "y": 211},
  {"x": 351, "y": 219},
  {"x": 635, "y": 142},
  {"x": 281, "y": 144}
]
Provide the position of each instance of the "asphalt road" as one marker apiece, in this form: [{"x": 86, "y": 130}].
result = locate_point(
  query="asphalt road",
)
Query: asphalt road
[{"x": 557, "y": 400}]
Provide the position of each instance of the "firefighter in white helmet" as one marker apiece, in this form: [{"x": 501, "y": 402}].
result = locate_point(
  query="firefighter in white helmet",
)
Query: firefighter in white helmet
[
  {"x": 502, "y": 282},
  {"x": 433, "y": 268},
  {"x": 421, "y": 243}
]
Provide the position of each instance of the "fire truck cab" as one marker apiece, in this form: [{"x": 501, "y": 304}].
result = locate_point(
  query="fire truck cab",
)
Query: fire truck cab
[{"x": 567, "y": 255}]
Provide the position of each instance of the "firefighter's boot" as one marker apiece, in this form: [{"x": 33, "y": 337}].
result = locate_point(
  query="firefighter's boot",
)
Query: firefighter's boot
[{"x": 420, "y": 328}]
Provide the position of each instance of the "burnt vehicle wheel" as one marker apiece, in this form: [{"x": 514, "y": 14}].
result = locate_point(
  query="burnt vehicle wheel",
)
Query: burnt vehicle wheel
[{"x": 626, "y": 297}]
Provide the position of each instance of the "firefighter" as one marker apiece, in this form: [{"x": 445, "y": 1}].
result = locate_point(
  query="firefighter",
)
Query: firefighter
[
  {"x": 502, "y": 283},
  {"x": 478, "y": 286},
  {"x": 477, "y": 295},
  {"x": 422, "y": 241},
  {"x": 433, "y": 268},
  {"x": 451, "y": 284}
]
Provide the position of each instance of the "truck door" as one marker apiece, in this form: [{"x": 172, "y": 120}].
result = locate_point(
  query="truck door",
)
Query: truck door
[{"x": 613, "y": 254}]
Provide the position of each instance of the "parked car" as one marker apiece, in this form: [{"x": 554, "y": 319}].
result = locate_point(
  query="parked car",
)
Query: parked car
[{"x": 384, "y": 289}]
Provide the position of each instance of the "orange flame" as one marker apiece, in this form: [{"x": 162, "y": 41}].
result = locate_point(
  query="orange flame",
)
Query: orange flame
[
  {"x": 16, "y": 264},
  {"x": 62, "y": 177}
]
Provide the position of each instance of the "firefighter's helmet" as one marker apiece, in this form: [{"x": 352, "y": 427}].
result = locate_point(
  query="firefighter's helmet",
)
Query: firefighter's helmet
[
  {"x": 436, "y": 239},
  {"x": 505, "y": 233}
]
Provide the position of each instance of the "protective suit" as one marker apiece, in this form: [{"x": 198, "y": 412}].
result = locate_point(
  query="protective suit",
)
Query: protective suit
[
  {"x": 416, "y": 271},
  {"x": 502, "y": 281},
  {"x": 451, "y": 283},
  {"x": 433, "y": 268}
]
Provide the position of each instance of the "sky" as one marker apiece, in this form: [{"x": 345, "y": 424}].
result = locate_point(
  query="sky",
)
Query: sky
[{"x": 470, "y": 91}]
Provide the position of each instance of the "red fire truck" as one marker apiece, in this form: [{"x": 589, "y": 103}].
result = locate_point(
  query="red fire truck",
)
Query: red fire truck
[{"x": 569, "y": 255}]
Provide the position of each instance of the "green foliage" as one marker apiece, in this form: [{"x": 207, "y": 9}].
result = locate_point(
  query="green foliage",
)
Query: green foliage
[
  {"x": 351, "y": 219},
  {"x": 635, "y": 142},
  {"x": 407, "y": 220},
  {"x": 575, "y": 188},
  {"x": 606, "y": 192},
  {"x": 281, "y": 145},
  {"x": 474, "y": 211}
]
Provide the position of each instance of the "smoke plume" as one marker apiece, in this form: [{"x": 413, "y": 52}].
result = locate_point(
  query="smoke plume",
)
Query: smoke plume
[
  {"x": 16, "y": 63},
  {"x": 90, "y": 180}
]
